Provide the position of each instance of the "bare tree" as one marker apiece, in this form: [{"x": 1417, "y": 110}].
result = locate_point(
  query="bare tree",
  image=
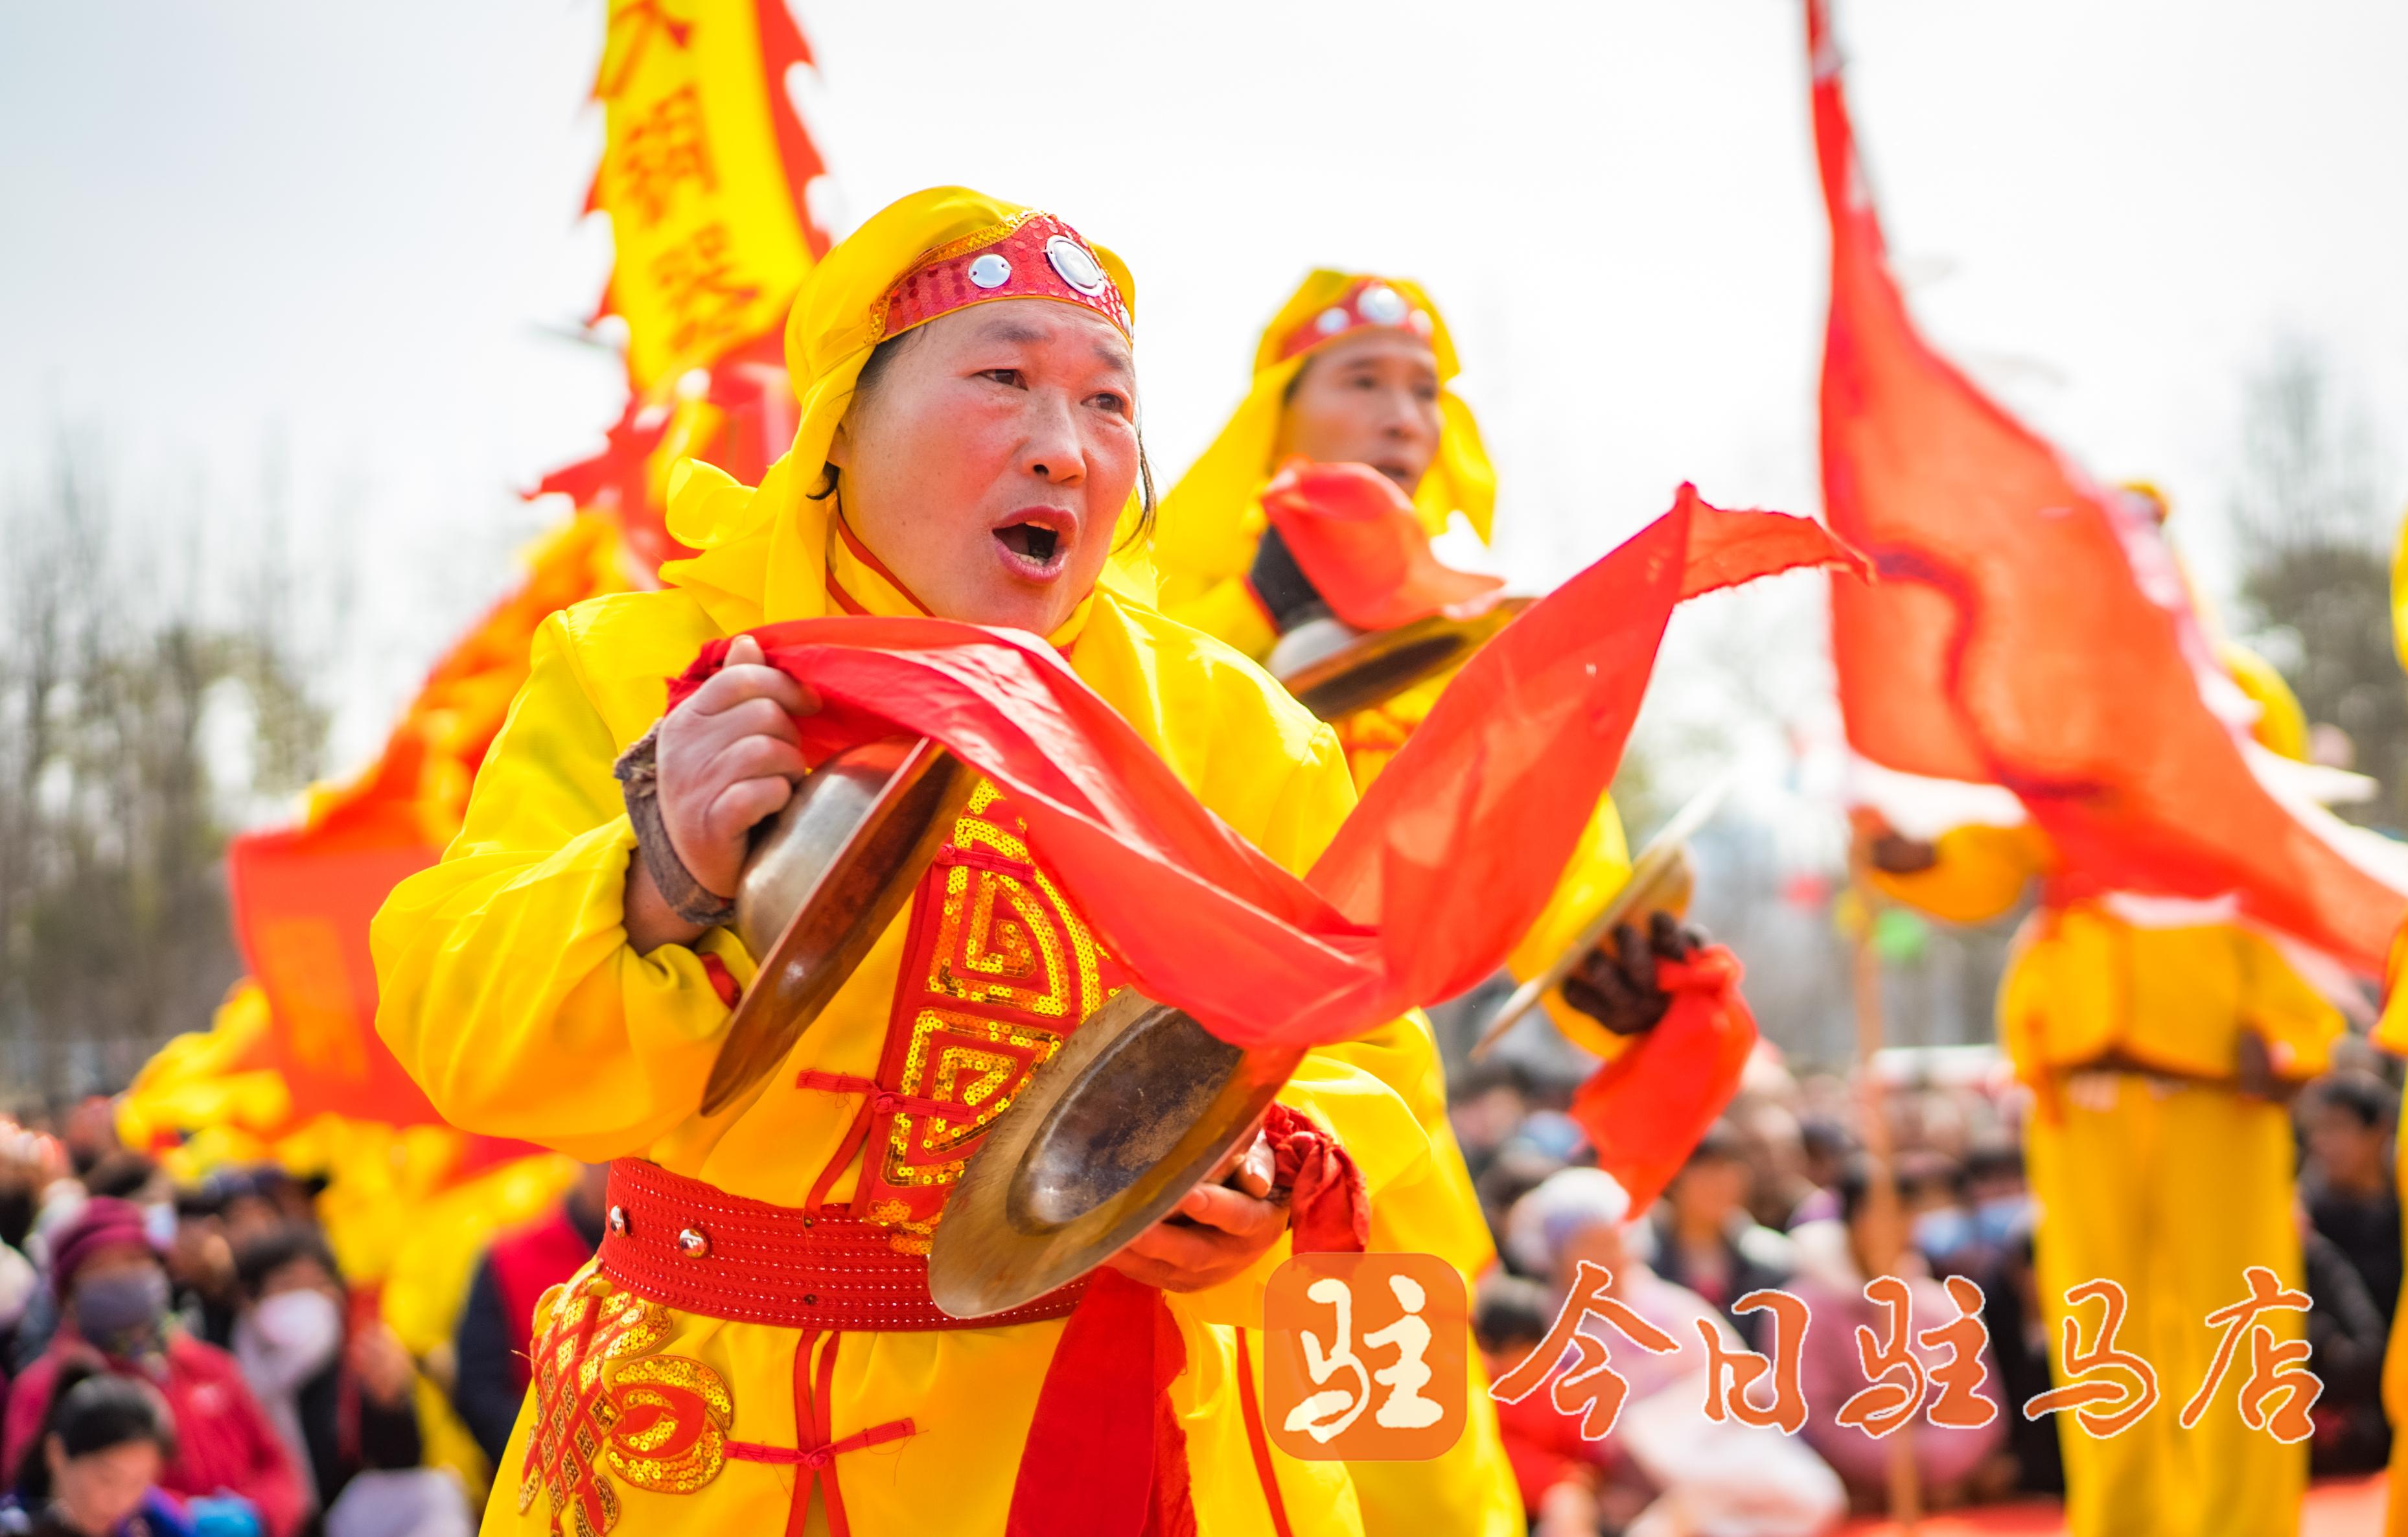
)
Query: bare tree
[
  {"x": 2314, "y": 534},
  {"x": 114, "y": 929}
]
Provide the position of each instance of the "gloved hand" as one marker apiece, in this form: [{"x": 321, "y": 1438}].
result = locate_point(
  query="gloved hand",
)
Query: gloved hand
[{"x": 1615, "y": 984}]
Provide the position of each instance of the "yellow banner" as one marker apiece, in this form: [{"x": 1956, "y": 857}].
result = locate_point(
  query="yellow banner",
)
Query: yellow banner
[{"x": 704, "y": 176}]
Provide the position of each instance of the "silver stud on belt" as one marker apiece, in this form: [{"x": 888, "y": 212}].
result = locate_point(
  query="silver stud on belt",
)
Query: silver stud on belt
[{"x": 694, "y": 1243}]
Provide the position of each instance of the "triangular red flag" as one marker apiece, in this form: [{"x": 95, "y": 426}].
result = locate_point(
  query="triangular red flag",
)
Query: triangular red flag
[{"x": 2031, "y": 630}]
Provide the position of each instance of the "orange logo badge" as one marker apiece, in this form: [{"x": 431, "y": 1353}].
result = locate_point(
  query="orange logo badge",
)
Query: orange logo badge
[{"x": 1364, "y": 1357}]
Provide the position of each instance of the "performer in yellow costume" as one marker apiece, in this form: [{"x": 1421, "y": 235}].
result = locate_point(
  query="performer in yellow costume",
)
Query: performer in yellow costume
[
  {"x": 2162, "y": 1045},
  {"x": 2391, "y": 1034},
  {"x": 1356, "y": 369},
  {"x": 754, "y": 1350}
]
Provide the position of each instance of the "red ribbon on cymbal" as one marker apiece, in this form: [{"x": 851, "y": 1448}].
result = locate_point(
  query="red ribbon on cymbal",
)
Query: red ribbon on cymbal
[
  {"x": 1357, "y": 539},
  {"x": 1444, "y": 866}
]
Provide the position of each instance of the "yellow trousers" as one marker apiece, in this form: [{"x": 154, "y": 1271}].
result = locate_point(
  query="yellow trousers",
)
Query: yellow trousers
[
  {"x": 2395, "y": 1378},
  {"x": 2171, "y": 1191}
]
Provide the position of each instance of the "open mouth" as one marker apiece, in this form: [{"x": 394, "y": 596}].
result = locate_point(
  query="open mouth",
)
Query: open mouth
[
  {"x": 1406, "y": 478},
  {"x": 1030, "y": 542},
  {"x": 1034, "y": 545}
]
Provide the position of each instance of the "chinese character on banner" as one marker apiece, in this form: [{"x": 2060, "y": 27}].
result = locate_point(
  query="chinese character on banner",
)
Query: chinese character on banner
[
  {"x": 2108, "y": 1388},
  {"x": 706, "y": 175},
  {"x": 1591, "y": 1390},
  {"x": 1365, "y": 1357},
  {"x": 2277, "y": 1367},
  {"x": 707, "y": 302},
  {"x": 662, "y": 150},
  {"x": 1728, "y": 1395}
]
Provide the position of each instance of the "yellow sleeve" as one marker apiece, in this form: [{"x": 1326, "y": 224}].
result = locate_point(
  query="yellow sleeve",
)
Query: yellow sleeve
[
  {"x": 1981, "y": 873},
  {"x": 507, "y": 984},
  {"x": 2391, "y": 1030},
  {"x": 2296, "y": 1022}
]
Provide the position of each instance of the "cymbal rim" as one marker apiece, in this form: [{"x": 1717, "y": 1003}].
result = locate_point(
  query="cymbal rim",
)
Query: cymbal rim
[
  {"x": 889, "y": 842},
  {"x": 1383, "y": 664},
  {"x": 995, "y": 1250}
]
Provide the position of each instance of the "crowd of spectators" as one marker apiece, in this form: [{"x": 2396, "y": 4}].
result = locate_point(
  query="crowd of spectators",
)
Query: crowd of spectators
[
  {"x": 1780, "y": 1196},
  {"x": 192, "y": 1361}
]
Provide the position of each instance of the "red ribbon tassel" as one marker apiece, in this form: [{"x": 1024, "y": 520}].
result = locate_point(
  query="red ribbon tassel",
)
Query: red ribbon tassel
[
  {"x": 1329, "y": 1209},
  {"x": 1646, "y": 1109},
  {"x": 1106, "y": 1457}
]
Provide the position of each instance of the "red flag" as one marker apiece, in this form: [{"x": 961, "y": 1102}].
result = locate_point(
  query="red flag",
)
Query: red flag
[
  {"x": 302, "y": 901},
  {"x": 1435, "y": 877},
  {"x": 2031, "y": 630}
]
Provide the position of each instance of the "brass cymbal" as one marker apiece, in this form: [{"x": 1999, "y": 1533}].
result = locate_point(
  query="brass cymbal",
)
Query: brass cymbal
[
  {"x": 1660, "y": 880},
  {"x": 1334, "y": 669},
  {"x": 825, "y": 877},
  {"x": 1139, "y": 1106}
]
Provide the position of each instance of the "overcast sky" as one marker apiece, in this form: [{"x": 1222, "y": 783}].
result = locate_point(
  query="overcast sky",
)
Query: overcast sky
[{"x": 334, "y": 237}]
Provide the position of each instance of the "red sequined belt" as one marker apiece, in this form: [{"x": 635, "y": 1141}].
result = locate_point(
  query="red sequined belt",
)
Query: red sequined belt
[{"x": 691, "y": 1246}]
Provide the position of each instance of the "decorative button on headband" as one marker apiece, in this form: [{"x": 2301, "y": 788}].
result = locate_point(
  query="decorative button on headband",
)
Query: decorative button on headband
[
  {"x": 1368, "y": 303},
  {"x": 1035, "y": 256}
]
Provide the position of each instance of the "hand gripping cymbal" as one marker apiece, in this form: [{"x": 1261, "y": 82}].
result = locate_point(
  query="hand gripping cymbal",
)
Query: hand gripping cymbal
[{"x": 825, "y": 877}]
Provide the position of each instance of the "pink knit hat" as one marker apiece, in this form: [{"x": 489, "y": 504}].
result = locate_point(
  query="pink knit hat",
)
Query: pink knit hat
[{"x": 104, "y": 1222}]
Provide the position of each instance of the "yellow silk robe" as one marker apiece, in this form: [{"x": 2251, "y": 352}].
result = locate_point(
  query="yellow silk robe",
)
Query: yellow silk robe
[{"x": 511, "y": 993}]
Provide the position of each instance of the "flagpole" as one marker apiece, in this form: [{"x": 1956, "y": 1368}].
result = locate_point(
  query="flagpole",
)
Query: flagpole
[{"x": 1905, "y": 1486}]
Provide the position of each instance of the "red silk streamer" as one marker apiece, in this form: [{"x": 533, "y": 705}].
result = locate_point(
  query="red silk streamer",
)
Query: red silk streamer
[
  {"x": 1424, "y": 890},
  {"x": 2032, "y": 630},
  {"x": 1105, "y": 1452},
  {"x": 1646, "y": 1109},
  {"x": 1329, "y": 1210},
  {"x": 1357, "y": 539},
  {"x": 1439, "y": 872}
]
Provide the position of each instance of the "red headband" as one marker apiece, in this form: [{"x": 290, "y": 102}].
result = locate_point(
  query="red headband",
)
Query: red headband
[
  {"x": 1035, "y": 256},
  {"x": 1368, "y": 302}
]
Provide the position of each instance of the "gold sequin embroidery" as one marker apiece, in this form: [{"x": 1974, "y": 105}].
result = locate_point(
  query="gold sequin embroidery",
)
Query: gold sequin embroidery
[
  {"x": 946, "y": 1062},
  {"x": 1004, "y": 968},
  {"x": 606, "y": 1405}
]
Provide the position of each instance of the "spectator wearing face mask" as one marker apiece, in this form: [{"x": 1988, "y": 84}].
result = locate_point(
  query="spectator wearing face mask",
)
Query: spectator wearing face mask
[
  {"x": 94, "y": 1471},
  {"x": 339, "y": 1390},
  {"x": 1997, "y": 1192},
  {"x": 1931, "y": 1186},
  {"x": 107, "y": 1272}
]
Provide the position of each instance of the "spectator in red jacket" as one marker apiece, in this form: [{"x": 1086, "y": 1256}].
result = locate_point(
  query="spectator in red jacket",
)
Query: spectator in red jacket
[
  {"x": 496, "y": 1336},
  {"x": 113, "y": 1287}
]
